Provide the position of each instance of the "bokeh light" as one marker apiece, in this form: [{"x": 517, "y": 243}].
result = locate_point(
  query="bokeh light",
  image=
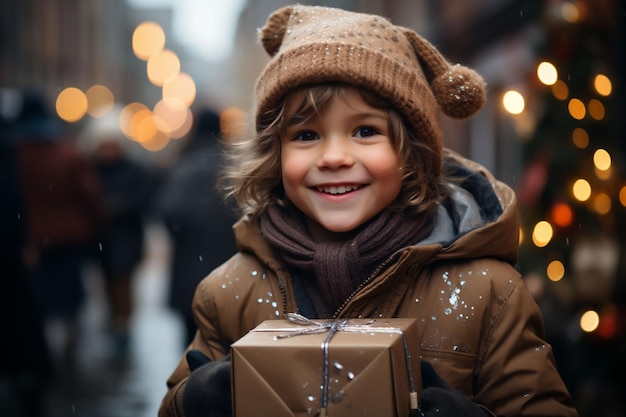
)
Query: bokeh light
[
  {"x": 513, "y": 102},
  {"x": 602, "y": 159},
  {"x": 126, "y": 117},
  {"x": 542, "y": 233},
  {"x": 182, "y": 87},
  {"x": 589, "y": 321},
  {"x": 148, "y": 40},
  {"x": 577, "y": 109},
  {"x": 580, "y": 137},
  {"x": 602, "y": 203},
  {"x": 100, "y": 100},
  {"x": 596, "y": 109},
  {"x": 149, "y": 135},
  {"x": 172, "y": 113},
  {"x": 603, "y": 85},
  {"x": 581, "y": 190},
  {"x": 547, "y": 73},
  {"x": 560, "y": 90},
  {"x": 185, "y": 128},
  {"x": 162, "y": 66},
  {"x": 555, "y": 271},
  {"x": 570, "y": 12},
  {"x": 562, "y": 215},
  {"x": 622, "y": 196},
  {"x": 71, "y": 104}
]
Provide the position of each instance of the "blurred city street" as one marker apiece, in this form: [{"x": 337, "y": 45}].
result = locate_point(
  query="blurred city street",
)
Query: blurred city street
[{"x": 103, "y": 386}]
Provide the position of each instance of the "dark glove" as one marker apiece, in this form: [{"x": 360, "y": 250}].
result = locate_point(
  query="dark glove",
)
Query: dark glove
[
  {"x": 438, "y": 399},
  {"x": 207, "y": 393}
]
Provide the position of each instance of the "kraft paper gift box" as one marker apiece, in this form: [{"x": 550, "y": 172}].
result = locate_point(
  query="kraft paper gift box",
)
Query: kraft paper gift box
[{"x": 300, "y": 367}]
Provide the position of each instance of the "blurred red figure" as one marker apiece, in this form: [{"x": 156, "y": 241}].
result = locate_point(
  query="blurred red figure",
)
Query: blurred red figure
[{"x": 62, "y": 210}]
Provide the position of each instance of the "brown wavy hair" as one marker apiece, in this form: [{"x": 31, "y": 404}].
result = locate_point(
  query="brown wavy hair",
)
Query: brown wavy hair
[{"x": 252, "y": 174}]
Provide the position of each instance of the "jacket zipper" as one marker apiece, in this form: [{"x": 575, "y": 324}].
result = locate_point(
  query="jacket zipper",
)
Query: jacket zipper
[{"x": 380, "y": 267}]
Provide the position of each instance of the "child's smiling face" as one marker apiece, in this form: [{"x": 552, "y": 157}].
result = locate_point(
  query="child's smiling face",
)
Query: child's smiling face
[{"x": 339, "y": 169}]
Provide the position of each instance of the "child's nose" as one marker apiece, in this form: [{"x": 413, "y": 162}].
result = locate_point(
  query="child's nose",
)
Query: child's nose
[{"x": 335, "y": 153}]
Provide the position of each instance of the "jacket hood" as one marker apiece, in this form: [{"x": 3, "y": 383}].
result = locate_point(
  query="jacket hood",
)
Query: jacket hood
[{"x": 480, "y": 217}]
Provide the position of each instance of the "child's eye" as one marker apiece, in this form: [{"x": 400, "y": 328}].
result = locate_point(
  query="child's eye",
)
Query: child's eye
[
  {"x": 306, "y": 136},
  {"x": 365, "y": 131}
]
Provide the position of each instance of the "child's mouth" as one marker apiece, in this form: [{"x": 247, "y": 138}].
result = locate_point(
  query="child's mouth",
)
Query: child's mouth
[{"x": 341, "y": 189}]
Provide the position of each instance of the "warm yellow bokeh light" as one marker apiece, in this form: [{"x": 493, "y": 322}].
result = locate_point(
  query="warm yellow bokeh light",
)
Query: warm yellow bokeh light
[
  {"x": 596, "y": 109},
  {"x": 172, "y": 112},
  {"x": 137, "y": 133},
  {"x": 148, "y": 40},
  {"x": 602, "y": 159},
  {"x": 589, "y": 321},
  {"x": 150, "y": 136},
  {"x": 71, "y": 104},
  {"x": 100, "y": 100},
  {"x": 185, "y": 128},
  {"x": 576, "y": 109},
  {"x": 602, "y": 203},
  {"x": 126, "y": 117},
  {"x": 547, "y": 73},
  {"x": 580, "y": 137},
  {"x": 581, "y": 190},
  {"x": 603, "y": 85},
  {"x": 570, "y": 12},
  {"x": 521, "y": 236},
  {"x": 560, "y": 90},
  {"x": 181, "y": 87},
  {"x": 555, "y": 271},
  {"x": 513, "y": 102},
  {"x": 622, "y": 196},
  {"x": 542, "y": 234},
  {"x": 162, "y": 66}
]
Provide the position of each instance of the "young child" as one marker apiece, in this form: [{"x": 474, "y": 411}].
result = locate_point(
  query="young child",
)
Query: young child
[{"x": 352, "y": 208}]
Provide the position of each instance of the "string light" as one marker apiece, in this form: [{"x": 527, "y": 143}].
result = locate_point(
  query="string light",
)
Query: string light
[
  {"x": 581, "y": 190},
  {"x": 542, "y": 234},
  {"x": 602, "y": 159},
  {"x": 576, "y": 109},
  {"x": 555, "y": 271},
  {"x": 100, "y": 100},
  {"x": 148, "y": 40},
  {"x": 589, "y": 321},
  {"x": 547, "y": 73},
  {"x": 603, "y": 85},
  {"x": 580, "y": 137},
  {"x": 513, "y": 102},
  {"x": 71, "y": 104}
]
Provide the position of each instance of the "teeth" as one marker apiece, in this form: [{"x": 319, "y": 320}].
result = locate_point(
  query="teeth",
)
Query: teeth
[{"x": 342, "y": 189}]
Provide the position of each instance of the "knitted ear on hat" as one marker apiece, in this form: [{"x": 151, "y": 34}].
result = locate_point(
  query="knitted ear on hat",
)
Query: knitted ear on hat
[
  {"x": 271, "y": 35},
  {"x": 459, "y": 90}
]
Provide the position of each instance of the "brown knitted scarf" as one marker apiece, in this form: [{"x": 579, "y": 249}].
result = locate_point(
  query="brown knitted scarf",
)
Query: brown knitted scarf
[{"x": 339, "y": 267}]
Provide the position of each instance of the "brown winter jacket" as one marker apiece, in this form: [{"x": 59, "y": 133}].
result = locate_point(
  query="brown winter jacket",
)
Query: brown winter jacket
[{"x": 478, "y": 325}]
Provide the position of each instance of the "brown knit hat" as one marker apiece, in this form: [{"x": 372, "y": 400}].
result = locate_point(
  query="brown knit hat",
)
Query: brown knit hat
[{"x": 313, "y": 44}]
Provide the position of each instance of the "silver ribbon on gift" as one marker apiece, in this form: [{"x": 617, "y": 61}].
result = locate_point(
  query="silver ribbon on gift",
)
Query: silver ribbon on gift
[{"x": 332, "y": 327}]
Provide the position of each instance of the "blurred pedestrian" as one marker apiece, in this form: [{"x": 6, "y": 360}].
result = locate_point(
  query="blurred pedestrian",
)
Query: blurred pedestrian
[
  {"x": 127, "y": 186},
  {"x": 61, "y": 195},
  {"x": 199, "y": 223},
  {"x": 25, "y": 367}
]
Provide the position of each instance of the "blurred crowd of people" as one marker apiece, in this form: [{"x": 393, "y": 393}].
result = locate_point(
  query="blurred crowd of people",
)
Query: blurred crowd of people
[{"x": 77, "y": 200}]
